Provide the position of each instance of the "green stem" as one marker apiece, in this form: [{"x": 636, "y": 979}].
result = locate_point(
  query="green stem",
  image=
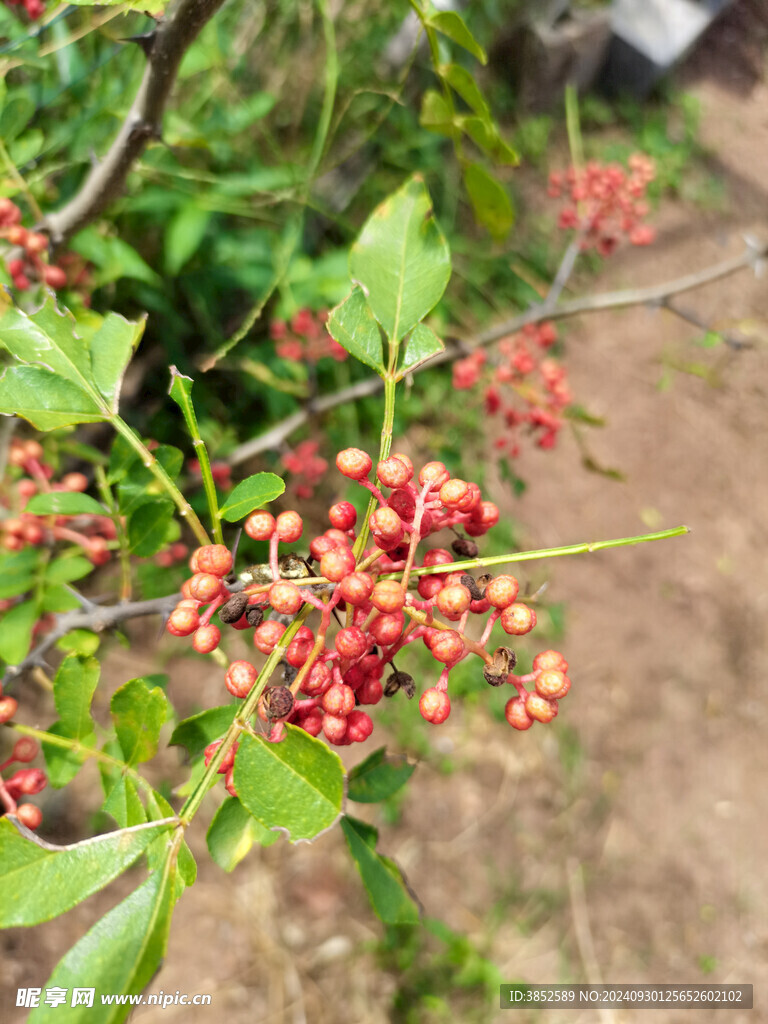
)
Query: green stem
[
  {"x": 240, "y": 721},
  {"x": 122, "y": 537},
  {"x": 182, "y": 396},
  {"x": 78, "y": 748},
  {"x": 526, "y": 556},
  {"x": 151, "y": 463},
  {"x": 385, "y": 446}
]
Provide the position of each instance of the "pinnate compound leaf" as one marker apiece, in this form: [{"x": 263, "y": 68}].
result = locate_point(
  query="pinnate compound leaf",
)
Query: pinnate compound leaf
[
  {"x": 378, "y": 777},
  {"x": 401, "y": 259},
  {"x": 423, "y": 344},
  {"x": 139, "y": 712},
  {"x": 16, "y": 627},
  {"x": 45, "y": 399},
  {"x": 296, "y": 785},
  {"x": 381, "y": 877},
  {"x": 196, "y": 732},
  {"x": 64, "y": 503},
  {"x": 233, "y": 832},
  {"x": 119, "y": 955},
  {"x": 250, "y": 494},
  {"x": 490, "y": 201},
  {"x": 354, "y": 326},
  {"x": 452, "y": 25},
  {"x": 39, "y": 881}
]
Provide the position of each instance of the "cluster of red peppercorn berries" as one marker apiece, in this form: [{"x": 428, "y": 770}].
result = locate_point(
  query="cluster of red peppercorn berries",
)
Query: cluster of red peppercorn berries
[
  {"x": 328, "y": 680},
  {"x": 306, "y": 467},
  {"x": 29, "y": 474},
  {"x": 24, "y": 259},
  {"x": 305, "y": 339},
  {"x": 526, "y": 388},
  {"x": 25, "y": 781},
  {"x": 34, "y": 8},
  {"x": 607, "y": 202}
]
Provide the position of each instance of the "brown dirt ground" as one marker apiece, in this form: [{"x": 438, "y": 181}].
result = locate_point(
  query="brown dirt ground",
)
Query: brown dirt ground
[{"x": 650, "y": 785}]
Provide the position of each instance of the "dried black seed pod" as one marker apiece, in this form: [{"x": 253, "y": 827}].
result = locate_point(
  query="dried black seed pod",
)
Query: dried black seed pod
[
  {"x": 471, "y": 584},
  {"x": 503, "y": 661},
  {"x": 465, "y": 547},
  {"x": 233, "y": 609},
  {"x": 278, "y": 702},
  {"x": 400, "y": 681},
  {"x": 254, "y": 616}
]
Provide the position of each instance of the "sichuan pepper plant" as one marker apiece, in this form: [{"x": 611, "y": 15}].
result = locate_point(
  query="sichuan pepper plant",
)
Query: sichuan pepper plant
[{"x": 327, "y": 620}]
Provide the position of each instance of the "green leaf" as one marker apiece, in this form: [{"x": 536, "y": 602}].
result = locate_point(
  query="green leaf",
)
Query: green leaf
[
  {"x": 148, "y": 527},
  {"x": 62, "y": 763},
  {"x": 47, "y": 338},
  {"x": 45, "y": 399},
  {"x": 40, "y": 881},
  {"x": 57, "y": 598},
  {"x": 123, "y": 803},
  {"x": 381, "y": 876},
  {"x": 183, "y": 235},
  {"x": 490, "y": 201},
  {"x": 64, "y": 503},
  {"x": 353, "y": 325},
  {"x": 196, "y": 732},
  {"x": 17, "y": 111},
  {"x": 17, "y": 571},
  {"x": 436, "y": 115},
  {"x": 296, "y": 786},
  {"x": 73, "y": 689},
  {"x": 486, "y": 137},
  {"x": 138, "y": 713},
  {"x": 80, "y": 641},
  {"x": 378, "y": 777},
  {"x": 16, "y": 631},
  {"x": 452, "y": 25},
  {"x": 138, "y": 486},
  {"x": 422, "y": 345},
  {"x": 119, "y": 955},
  {"x": 251, "y": 493},
  {"x": 402, "y": 259},
  {"x": 112, "y": 257},
  {"x": 463, "y": 83},
  {"x": 67, "y": 568},
  {"x": 233, "y": 832},
  {"x": 112, "y": 346}
]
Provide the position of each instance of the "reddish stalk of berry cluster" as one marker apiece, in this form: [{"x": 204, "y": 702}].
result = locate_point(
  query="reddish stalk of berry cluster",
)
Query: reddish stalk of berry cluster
[
  {"x": 606, "y": 202},
  {"x": 526, "y": 388},
  {"x": 331, "y": 678},
  {"x": 304, "y": 338},
  {"x": 25, "y": 781},
  {"x": 31, "y": 475}
]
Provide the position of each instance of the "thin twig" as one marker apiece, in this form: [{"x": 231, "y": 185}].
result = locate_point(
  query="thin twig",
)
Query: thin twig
[
  {"x": 657, "y": 295},
  {"x": 95, "y": 618},
  {"x": 174, "y": 34}
]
